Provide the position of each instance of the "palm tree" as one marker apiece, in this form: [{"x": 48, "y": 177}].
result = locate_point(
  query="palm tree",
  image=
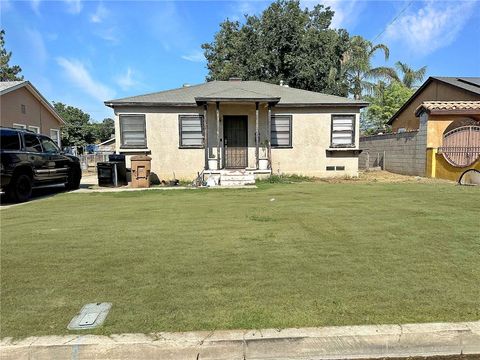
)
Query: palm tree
[
  {"x": 410, "y": 77},
  {"x": 358, "y": 66}
]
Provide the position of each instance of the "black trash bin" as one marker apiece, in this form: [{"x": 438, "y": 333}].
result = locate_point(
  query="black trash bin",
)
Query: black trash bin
[
  {"x": 113, "y": 172},
  {"x": 119, "y": 160},
  {"x": 107, "y": 174}
]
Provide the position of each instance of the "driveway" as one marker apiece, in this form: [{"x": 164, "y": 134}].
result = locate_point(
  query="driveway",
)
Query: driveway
[{"x": 88, "y": 181}]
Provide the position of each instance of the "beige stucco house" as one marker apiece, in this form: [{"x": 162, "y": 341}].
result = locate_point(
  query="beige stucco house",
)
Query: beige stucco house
[
  {"x": 23, "y": 107},
  {"x": 248, "y": 125}
]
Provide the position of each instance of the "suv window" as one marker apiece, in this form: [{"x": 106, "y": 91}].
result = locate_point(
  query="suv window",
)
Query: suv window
[
  {"x": 49, "y": 146},
  {"x": 9, "y": 140},
  {"x": 31, "y": 143}
]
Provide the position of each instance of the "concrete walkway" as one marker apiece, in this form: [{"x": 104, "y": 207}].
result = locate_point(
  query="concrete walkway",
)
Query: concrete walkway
[{"x": 348, "y": 342}]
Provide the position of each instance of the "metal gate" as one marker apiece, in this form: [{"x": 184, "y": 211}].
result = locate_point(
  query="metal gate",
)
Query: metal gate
[
  {"x": 461, "y": 146},
  {"x": 235, "y": 136}
]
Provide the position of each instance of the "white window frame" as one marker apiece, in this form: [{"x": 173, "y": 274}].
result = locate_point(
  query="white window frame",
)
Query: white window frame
[
  {"x": 352, "y": 144},
  {"x": 122, "y": 140},
  {"x": 181, "y": 130},
  {"x": 288, "y": 117},
  {"x": 58, "y": 135},
  {"x": 19, "y": 126},
  {"x": 35, "y": 129}
]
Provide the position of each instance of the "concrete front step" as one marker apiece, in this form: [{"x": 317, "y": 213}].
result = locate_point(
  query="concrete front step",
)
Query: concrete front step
[{"x": 236, "y": 178}]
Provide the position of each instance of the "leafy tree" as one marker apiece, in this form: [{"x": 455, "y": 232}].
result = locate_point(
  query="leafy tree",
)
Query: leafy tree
[
  {"x": 410, "y": 78},
  {"x": 77, "y": 130},
  {"x": 385, "y": 102},
  {"x": 284, "y": 43},
  {"x": 358, "y": 70},
  {"x": 7, "y": 72},
  {"x": 104, "y": 130}
]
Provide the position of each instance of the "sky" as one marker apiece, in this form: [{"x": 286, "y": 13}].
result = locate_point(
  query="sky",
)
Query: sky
[{"x": 83, "y": 52}]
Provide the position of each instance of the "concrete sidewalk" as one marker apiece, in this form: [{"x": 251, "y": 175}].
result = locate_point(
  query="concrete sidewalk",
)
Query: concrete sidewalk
[{"x": 348, "y": 342}]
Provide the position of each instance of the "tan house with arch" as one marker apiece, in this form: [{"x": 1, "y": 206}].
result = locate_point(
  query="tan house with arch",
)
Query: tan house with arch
[
  {"x": 436, "y": 133},
  {"x": 438, "y": 88},
  {"x": 251, "y": 126},
  {"x": 23, "y": 107}
]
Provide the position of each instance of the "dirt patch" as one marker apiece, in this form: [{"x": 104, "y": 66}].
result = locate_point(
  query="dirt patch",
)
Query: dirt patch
[{"x": 381, "y": 176}]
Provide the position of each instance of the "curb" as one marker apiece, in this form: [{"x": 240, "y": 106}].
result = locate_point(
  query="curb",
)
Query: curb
[{"x": 346, "y": 342}]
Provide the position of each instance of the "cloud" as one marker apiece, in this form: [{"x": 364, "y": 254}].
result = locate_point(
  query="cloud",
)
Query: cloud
[
  {"x": 167, "y": 24},
  {"x": 241, "y": 8},
  {"x": 37, "y": 46},
  {"x": 433, "y": 26},
  {"x": 109, "y": 34},
  {"x": 74, "y": 6},
  {"x": 76, "y": 72},
  {"x": 127, "y": 81},
  {"x": 100, "y": 14},
  {"x": 35, "y": 4},
  {"x": 194, "y": 56},
  {"x": 347, "y": 12}
]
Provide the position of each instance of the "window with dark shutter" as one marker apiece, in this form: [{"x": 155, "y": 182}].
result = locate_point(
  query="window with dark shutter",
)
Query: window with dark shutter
[
  {"x": 191, "y": 131},
  {"x": 343, "y": 131},
  {"x": 133, "y": 133},
  {"x": 281, "y": 133}
]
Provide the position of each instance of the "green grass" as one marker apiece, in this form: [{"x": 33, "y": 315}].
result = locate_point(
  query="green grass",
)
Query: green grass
[{"x": 318, "y": 254}]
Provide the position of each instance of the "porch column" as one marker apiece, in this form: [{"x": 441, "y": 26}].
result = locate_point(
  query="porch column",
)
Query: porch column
[
  {"x": 218, "y": 134},
  {"x": 269, "y": 136},
  {"x": 205, "y": 135},
  {"x": 257, "y": 135}
]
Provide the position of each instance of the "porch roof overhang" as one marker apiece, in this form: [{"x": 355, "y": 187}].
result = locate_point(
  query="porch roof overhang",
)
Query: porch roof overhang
[{"x": 201, "y": 100}]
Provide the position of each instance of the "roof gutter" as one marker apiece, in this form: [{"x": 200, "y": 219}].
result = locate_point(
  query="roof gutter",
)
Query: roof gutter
[{"x": 201, "y": 101}]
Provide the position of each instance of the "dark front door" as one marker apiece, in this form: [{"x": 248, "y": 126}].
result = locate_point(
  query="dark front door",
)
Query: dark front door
[{"x": 235, "y": 137}]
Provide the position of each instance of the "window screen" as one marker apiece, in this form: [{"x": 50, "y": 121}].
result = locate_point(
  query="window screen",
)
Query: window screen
[
  {"x": 191, "y": 130},
  {"x": 9, "y": 140},
  {"x": 343, "y": 130},
  {"x": 281, "y": 134},
  {"x": 132, "y": 129}
]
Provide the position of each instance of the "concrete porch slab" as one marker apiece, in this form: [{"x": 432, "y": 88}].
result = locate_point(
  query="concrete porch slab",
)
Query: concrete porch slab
[{"x": 347, "y": 342}]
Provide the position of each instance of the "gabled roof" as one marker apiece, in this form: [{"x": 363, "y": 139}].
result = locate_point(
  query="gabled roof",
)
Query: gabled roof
[
  {"x": 448, "y": 106},
  {"x": 9, "y": 86},
  {"x": 236, "y": 91},
  {"x": 471, "y": 84}
]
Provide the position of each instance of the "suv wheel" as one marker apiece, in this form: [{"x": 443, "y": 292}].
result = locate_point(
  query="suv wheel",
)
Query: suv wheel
[
  {"x": 20, "y": 188},
  {"x": 74, "y": 177}
]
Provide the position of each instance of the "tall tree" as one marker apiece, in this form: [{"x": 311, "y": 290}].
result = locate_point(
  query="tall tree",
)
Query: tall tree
[
  {"x": 385, "y": 101},
  {"x": 409, "y": 77},
  {"x": 284, "y": 43},
  {"x": 77, "y": 130},
  {"x": 7, "y": 72},
  {"x": 357, "y": 66},
  {"x": 104, "y": 130}
]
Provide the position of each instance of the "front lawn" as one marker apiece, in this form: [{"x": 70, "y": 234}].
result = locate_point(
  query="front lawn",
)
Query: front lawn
[{"x": 282, "y": 255}]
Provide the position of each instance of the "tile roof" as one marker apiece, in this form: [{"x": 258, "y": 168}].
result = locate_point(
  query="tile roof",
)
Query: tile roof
[
  {"x": 236, "y": 90},
  {"x": 447, "y": 105}
]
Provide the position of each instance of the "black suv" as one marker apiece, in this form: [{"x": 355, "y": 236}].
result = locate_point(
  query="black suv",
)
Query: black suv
[{"x": 29, "y": 160}]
